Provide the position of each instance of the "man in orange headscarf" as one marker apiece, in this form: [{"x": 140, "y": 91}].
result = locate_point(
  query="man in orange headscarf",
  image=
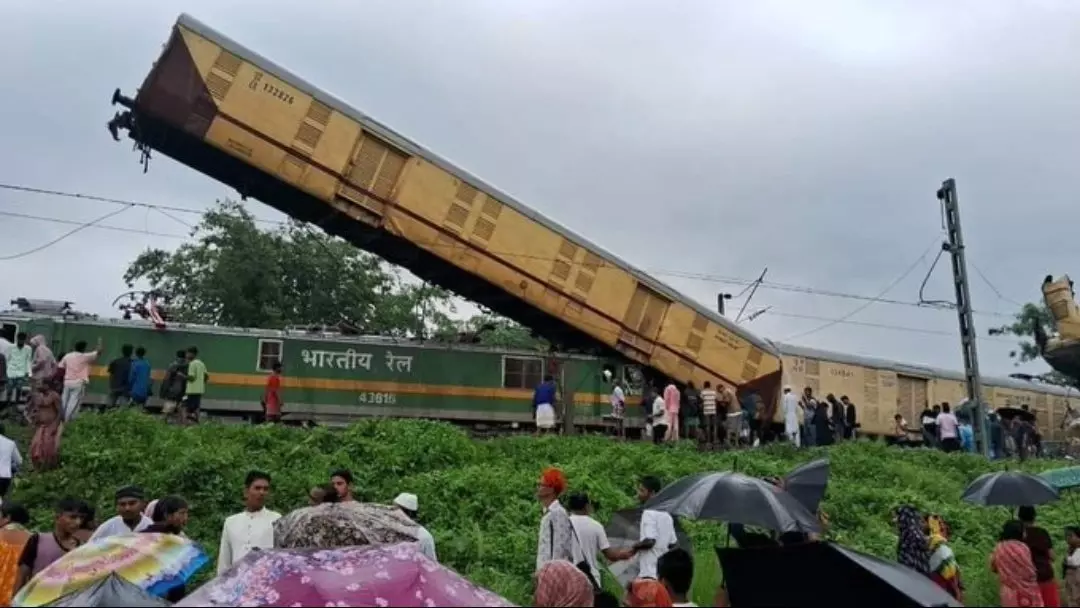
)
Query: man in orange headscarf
[{"x": 556, "y": 534}]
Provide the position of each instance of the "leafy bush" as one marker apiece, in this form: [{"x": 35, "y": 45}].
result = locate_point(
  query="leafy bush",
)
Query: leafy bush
[{"x": 477, "y": 497}]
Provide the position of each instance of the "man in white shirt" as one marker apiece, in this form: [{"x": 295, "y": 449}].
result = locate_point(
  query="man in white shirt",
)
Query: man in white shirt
[
  {"x": 130, "y": 502},
  {"x": 618, "y": 409},
  {"x": 657, "y": 535},
  {"x": 410, "y": 505},
  {"x": 251, "y": 529},
  {"x": 948, "y": 429},
  {"x": 591, "y": 539},
  {"x": 10, "y": 461},
  {"x": 790, "y": 405}
]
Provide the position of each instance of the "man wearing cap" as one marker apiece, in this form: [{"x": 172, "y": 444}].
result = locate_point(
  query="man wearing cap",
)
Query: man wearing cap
[
  {"x": 556, "y": 540},
  {"x": 130, "y": 502},
  {"x": 409, "y": 505}
]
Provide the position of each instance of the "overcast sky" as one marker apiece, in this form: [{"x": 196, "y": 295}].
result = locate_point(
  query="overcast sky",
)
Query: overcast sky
[{"x": 712, "y": 140}]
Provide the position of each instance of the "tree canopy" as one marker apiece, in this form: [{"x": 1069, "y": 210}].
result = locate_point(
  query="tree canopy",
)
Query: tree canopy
[
  {"x": 235, "y": 272},
  {"x": 1023, "y": 326}
]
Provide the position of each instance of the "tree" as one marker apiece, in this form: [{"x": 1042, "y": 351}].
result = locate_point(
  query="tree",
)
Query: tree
[
  {"x": 489, "y": 329},
  {"x": 236, "y": 273},
  {"x": 1029, "y": 317}
]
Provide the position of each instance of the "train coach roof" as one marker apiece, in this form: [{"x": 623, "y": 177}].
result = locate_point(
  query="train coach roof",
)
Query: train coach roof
[
  {"x": 922, "y": 371},
  {"x": 367, "y": 122}
]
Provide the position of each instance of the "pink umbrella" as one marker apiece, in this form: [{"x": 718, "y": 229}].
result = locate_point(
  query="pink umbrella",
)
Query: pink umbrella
[{"x": 372, "y": 575}]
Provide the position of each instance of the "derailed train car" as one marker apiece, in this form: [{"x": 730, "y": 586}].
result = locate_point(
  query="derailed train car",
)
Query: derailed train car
[{"x": 232, "y": 114}]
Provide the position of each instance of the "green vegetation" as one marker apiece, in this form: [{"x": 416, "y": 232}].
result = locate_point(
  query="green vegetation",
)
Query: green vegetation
[{"x": 477, "y": 496}]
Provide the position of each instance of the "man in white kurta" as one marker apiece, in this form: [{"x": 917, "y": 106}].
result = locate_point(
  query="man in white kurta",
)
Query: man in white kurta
[
  {"x": 250, "y": 529},
  {"x": 790, "y": 405},
  {"x": 409, "y": 504}
]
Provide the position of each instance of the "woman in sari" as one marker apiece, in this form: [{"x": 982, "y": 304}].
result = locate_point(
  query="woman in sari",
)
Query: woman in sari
[
  {"x": 560, "y": 583},
  {"x": 13, "y": 536},
  {"x": 944, "y": 569},
  {"x": 912, "y": 548},
  {"x": 1011, "y": 561},
  {"x": 45, "y": 446},
  {"x": 43, "y": 368}
]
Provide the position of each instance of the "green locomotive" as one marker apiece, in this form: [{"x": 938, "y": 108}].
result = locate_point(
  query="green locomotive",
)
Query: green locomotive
[{"x": 331, "y": 378}]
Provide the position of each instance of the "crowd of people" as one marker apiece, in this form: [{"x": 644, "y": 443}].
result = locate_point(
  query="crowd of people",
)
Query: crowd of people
[{"x": 24, "y": 554}]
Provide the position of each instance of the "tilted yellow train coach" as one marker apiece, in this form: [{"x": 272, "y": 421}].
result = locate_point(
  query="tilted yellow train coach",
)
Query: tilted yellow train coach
[{"x": 225, "y": 111}]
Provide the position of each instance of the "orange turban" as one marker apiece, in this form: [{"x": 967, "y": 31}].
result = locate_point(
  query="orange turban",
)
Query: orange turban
[{"x": 553, "y": 478}]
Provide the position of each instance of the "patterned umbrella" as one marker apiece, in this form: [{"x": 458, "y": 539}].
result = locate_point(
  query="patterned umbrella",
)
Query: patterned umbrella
[
  {"x": 153, "y": 562},
  {"x": 346, "y": 524},
  {"x": 1063, "y": 479},
  {"x": 385, "y": 575}
]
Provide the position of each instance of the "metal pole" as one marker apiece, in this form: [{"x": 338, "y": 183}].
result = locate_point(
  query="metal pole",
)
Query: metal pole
[{"x": 947, "y": 195}]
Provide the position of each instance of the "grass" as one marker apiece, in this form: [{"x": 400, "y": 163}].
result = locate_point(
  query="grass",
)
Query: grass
[{"x": 476, "y": 497}]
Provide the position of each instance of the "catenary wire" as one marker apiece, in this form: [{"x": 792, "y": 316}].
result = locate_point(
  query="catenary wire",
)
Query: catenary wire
[
  {"x": 703, "y": 277},
  {"x": 870, "y": 303},
  {"x": 67, "y": 234}
]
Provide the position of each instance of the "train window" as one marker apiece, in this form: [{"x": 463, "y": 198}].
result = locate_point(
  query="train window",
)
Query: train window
[
  {"x": 8, "y": 331},
  {"x": 270, "y": 352},
  {"x": 522, "y": 372}
]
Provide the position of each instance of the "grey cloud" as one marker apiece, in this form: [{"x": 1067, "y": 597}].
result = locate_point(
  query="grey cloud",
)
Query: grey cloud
[{"x": 718, "y": 139}]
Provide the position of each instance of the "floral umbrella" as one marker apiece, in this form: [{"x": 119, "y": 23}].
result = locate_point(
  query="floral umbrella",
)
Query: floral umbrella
[
  {"x": 380, "y": 575},
  {"x": 346, "y": 524},
  {"x": 153, "y": 562}
]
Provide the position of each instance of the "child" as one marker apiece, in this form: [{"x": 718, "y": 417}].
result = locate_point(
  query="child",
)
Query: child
[{"x": 1071, "y": 574}]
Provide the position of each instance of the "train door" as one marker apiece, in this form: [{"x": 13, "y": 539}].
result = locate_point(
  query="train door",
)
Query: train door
[
  {"x": 641, "y": 323},
  {"x": 911, "y": 397}
]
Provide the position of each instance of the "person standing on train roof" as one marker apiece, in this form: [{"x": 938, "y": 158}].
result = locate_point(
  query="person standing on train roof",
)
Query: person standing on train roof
[
  {"x": 120, "y": 378},
  {"x": 544, "y": 404},
  {"x": 139, "y": 378},
  {"x": 671, "y": 407},
  {"x": 76, "y": 366},
  {"x": 342, "y": 480},
  {"x": 197, "y": 377},
  {"x": 271, "y": 400}
]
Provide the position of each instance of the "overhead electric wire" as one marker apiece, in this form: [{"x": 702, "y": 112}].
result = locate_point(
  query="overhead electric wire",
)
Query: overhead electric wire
[
  {"x": 67, "y": 234},
  {"x": 866, "y": 305},
  {"x": 704, "y": 277},
  {"x": 899, "y": 328},
  {"x": 992, "y": 287}
]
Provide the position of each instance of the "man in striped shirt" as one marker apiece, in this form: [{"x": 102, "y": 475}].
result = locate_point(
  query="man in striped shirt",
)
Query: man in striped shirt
[{"x": 708, "y": 410}]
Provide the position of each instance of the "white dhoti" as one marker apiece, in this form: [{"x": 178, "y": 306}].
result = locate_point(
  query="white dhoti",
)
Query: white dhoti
[
  {"x": 791, "y": 429},
  {"x": 545, "y": 416}
]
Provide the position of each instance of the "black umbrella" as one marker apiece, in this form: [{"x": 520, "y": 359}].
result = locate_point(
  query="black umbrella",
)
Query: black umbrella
[
  {"x": 1009, "y": 489},
  {"x": 624, "y": 530},
  {"x": 109, "y": 591},
  {"x": 735, "y": 498},
  {"x": 750, "y": 576},
  {"x": 808, "y": 482}
]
